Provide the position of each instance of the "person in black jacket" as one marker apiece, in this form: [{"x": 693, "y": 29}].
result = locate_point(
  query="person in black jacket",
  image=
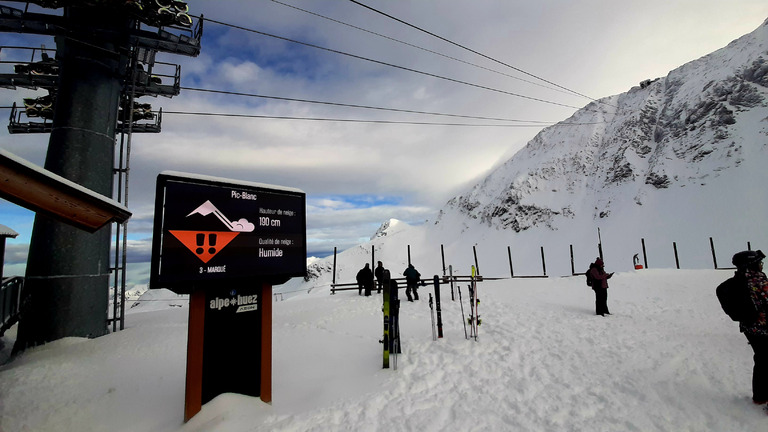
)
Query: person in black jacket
[
  {"x": 412, "y": 279},
  {"x": 752, "y": 321},
  {"x": 600, "y": 286},
  {"x": 379, "y": 273},
  {"x": 364, "y": 280}
]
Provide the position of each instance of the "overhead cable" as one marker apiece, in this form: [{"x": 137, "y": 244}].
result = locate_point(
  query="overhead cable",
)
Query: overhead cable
[
  {"x": 390, "y": 64},
  {"x": 421, "y": 48},
  {"x": 342, "y": 120},
  {"x": 210, "y": 114},
  {"x": 360, "y": 106},
  {"x": 473, "y": 51}
]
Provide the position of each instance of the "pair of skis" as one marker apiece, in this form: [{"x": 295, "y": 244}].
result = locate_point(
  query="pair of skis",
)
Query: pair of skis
[
  {"x": 474, "y": 320},
  {"x": 474, "y": 316},
  {"x": 391, "y": 310},
  {"x": 437, "y": 326}
]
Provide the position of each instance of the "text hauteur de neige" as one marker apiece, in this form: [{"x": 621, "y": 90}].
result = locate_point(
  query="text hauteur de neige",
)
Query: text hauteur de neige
[{"x": 265, "y": 253}]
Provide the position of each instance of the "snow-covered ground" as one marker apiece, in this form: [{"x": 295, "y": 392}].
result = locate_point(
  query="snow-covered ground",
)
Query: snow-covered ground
[{"x": 668, "y": 359}]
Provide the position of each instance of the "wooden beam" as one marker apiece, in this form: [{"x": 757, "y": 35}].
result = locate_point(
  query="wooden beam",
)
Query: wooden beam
[{"x": 40, "y": 190}]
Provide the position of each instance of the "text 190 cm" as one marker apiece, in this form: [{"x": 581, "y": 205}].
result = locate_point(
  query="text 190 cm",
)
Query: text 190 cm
[{"x": 266, "y": 221}]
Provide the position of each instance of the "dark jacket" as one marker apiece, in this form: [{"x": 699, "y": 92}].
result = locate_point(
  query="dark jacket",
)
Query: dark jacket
[
  {"x": 379, "y": 272},
  {"x": 365, "y": 275},
  {"x": 412, "y": 276}
]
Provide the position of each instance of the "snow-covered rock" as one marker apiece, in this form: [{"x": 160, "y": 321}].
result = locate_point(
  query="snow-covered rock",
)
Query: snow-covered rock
[
  {"x": 685, "y": 130},
  {"x": 390, "y": 228}
]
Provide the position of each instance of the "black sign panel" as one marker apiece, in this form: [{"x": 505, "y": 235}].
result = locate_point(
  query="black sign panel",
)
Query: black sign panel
[
  {"x": 209, "y": 230},
  {"x": 232, "y": 347}
]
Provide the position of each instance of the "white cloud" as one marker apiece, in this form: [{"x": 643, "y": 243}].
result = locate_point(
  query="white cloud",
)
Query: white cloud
[
  {"x": 242, "y": 73},
  {"x": 597, "y": 47}
]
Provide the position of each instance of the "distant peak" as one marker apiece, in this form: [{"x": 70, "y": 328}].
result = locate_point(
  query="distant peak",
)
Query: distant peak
[{"x": 388, "y": 228}]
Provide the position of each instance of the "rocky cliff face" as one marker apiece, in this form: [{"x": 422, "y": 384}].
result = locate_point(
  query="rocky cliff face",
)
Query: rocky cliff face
[{"x": 683, "y": 130}]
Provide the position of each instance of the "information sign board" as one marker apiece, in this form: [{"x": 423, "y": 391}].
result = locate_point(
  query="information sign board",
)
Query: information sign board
[{"x": 209, "y": 229}]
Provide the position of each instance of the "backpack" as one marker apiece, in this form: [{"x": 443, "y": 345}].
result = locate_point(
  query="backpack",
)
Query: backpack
[
  {"x": 589, "y": 275},
  {"x": 735, "y": 299}
]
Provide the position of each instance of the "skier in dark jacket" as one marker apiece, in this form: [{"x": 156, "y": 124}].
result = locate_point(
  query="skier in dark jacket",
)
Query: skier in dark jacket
[
  {"x": 412, "y": 278},
  {"x": 364, "y": 280},
  {"x": 379, "y": 273},
  {"x": 600, "y": 286},
  {"x": 753, "y": 323}
]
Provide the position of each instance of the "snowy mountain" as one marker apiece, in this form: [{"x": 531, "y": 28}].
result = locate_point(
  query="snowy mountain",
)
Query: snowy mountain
[
  {"x": 389, "y": 227},
  {"x": 619, "y": 154},
  {"x": 666, "y": 171}
]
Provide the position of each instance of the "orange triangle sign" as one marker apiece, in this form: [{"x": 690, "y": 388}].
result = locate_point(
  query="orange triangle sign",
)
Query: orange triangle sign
[{"x": 205, "y": 244}]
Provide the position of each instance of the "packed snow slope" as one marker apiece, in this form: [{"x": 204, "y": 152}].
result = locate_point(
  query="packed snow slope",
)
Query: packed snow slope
[{"x": 668, "y": 359}]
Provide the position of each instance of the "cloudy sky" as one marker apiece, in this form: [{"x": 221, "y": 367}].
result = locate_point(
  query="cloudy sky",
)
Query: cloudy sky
[{"x": 361, "y": 166}]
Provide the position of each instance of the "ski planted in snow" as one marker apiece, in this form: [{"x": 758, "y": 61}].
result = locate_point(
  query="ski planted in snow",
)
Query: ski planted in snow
[
  {"x": 438, "y": 309},
  {"x": 385, "y": 310},
  {"x": 395, "y": 346},
  {"x": 471, "y": 318},
  {"x": 474, "y": 316},
  {"x": 432, "y": 314},
  {"x": 475, "y": 303}
]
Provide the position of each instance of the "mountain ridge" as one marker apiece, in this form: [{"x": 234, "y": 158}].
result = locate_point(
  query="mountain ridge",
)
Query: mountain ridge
[
  {"x": 676, "y": 131},
  {"x": 671, "y": 170}
]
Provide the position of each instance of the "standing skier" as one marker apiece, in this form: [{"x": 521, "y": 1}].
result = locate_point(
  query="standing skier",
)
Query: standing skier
[
  {"x": 364, "y": 280},
  {"x": 752, "y": 317},
  {"x": 412, "y": 278},
  {"x": 600, "y": 286},
  {"x": 379, "y": 273}
]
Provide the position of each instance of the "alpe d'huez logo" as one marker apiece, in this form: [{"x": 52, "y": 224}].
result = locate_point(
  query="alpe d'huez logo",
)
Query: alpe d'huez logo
[
  {"x": 244, "y": 303},
  {"x": 206, "y": 244}
]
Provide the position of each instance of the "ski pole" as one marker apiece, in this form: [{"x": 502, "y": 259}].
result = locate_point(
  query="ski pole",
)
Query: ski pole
[
  {"x": 394, "y": 362},
  {"x": 463, "y": 320},
  {"x": 395, "y": 328}
]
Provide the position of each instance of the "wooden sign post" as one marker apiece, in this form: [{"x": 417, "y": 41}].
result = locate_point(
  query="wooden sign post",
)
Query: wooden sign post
[{"x": 226, "y": 243}]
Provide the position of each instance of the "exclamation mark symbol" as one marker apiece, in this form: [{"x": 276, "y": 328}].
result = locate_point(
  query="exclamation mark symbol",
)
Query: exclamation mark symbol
[
  {"x": 200, "y": 238},
  {"x": 212, "y": 243}
]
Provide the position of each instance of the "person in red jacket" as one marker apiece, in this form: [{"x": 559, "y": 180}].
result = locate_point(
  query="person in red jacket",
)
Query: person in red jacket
[{"x": 600, "y": 286}]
